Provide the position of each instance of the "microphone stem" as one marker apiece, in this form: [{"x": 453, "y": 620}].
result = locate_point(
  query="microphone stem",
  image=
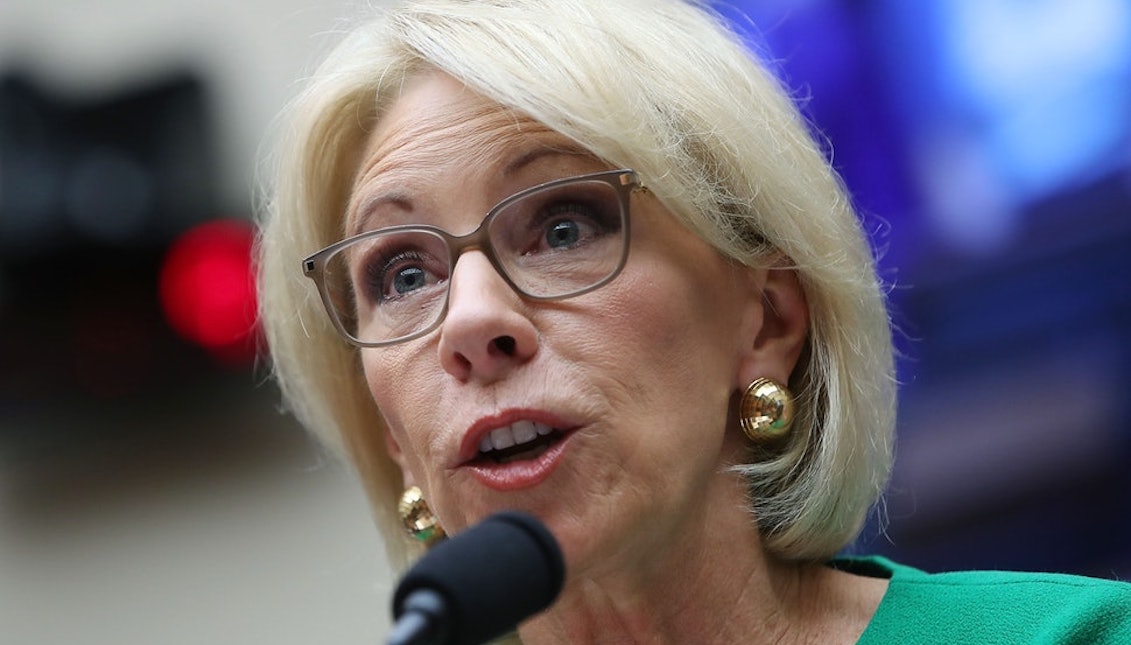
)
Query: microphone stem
[{"x": 422, "y": 622}]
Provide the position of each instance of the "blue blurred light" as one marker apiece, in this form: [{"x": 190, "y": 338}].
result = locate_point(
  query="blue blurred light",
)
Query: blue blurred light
[
  {"x": 1037, "y": 93},
  {"x": 991, "y": 106}
]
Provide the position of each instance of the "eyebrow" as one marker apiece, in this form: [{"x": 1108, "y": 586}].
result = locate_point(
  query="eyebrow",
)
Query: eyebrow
[
  {"x": 403, "y": 200},
  {"x": 366, "y": 210},
  {"x": 546, "y": 150}
]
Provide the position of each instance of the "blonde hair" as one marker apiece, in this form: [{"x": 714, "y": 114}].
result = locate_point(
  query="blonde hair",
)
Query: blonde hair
[{"x": 665, "y": 88}]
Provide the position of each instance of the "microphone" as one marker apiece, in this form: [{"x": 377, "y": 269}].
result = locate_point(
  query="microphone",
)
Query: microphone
[{"x": 479, "y": 584}]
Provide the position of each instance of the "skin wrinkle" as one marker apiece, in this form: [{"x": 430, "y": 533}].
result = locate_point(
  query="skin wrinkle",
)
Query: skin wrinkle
[
  {"x": 648, "y": 364},
  {"x": 480, "y": 135},
  {"x": 638, "y": 618}
]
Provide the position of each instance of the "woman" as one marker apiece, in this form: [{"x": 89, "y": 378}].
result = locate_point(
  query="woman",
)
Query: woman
[{"x": 582, "y": 259}]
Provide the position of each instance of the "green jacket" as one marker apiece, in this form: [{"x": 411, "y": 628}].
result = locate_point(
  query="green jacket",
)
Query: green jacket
[{"x": 993, "y": 607}]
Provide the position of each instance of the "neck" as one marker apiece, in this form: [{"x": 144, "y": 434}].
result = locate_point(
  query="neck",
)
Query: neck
[{"x": 714, "y": 584}]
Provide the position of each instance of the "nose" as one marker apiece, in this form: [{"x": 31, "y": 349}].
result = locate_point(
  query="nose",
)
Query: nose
[{"x": 485, "y": 333}]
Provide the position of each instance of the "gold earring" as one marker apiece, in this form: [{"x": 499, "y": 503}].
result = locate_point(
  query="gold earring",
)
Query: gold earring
[
  {"x": 766, "y": 410},
  {"x": 417, "y": 518}
]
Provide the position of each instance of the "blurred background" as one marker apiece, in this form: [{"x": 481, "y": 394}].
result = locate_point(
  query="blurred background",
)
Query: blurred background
[{"x": 151, "y": 491}]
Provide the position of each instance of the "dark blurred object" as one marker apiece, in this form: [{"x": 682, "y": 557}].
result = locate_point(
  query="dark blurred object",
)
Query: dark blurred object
[
  {"x": 93, "y": 192},
  {"x": 123, "y": 171},
  {"x": 1015, "y": 434}
]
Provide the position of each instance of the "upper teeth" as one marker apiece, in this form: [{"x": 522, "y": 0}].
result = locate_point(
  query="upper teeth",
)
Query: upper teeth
[{"x": 517, "y": 433}]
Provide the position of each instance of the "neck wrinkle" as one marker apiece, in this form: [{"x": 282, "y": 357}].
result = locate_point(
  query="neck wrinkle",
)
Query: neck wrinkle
[{"x": 713, "y": 586}]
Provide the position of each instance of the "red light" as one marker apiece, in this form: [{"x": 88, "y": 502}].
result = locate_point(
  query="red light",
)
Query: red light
[{"x": 208, "y": 289}]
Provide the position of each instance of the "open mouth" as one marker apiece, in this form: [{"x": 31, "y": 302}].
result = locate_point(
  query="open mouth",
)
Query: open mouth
[{"x": 518, "y": 441}]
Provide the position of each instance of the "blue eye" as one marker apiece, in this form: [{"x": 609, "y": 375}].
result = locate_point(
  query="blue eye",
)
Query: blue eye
[
  {"x": 401, "y": 274},
  {"x": 408, "y": 279},
  {"x": 563, "y": 234},
  {"x": 569, "y": 224},
  {"x": 566, "y": 220}
]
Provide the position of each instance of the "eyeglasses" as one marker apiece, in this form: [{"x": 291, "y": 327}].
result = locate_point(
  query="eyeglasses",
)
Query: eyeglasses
[{"x": 552, "y": 241}]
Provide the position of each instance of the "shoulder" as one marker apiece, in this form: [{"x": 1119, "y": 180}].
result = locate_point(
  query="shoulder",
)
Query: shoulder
[{"x": 994, "y": 606}]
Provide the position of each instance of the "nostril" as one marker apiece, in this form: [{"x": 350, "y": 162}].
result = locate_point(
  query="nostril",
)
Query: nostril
[{"x": 505, "y": 344}]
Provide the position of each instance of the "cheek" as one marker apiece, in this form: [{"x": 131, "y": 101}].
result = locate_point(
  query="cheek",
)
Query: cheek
[
  {"x": 669, "y": 343},
  {"x": 679, "y": 317},
  {"x": 393, "y": 387}
]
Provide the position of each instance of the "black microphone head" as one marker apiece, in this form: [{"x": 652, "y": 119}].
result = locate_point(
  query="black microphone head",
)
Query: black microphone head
[{"x": 492, "y": 576}]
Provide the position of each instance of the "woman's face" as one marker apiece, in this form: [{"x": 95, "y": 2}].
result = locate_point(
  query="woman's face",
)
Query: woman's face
[{"x": 635, "y": 378}]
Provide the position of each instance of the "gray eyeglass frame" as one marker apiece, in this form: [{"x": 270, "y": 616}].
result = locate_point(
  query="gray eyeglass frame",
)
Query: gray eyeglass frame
[{"x": 623, "y": 180}]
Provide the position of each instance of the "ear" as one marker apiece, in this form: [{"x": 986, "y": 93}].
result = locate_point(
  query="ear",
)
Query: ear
[
  {"x": 397, "y": 455},
  {"x": 781, "y": 326}
]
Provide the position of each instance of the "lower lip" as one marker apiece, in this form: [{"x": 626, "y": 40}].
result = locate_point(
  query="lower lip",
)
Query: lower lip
[{"x": 524, "y": 473}]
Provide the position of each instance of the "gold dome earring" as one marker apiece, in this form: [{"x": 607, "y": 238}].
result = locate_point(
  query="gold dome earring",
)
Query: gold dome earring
[
  {"x": 766, "y": 410},
  {"x": 418, "y": 519}
]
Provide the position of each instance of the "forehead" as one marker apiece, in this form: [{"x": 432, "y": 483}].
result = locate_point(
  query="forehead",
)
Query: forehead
[
  {"x": 438, "y": 122},
  {"x": 438, "y": 129}
]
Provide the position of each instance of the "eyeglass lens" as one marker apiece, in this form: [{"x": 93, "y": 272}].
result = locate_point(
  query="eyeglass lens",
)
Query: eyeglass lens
[{"x": 549, "y": 243}]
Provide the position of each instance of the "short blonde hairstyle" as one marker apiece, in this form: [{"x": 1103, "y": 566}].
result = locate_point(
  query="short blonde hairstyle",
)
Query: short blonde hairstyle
[{"x": 660, "y": 86}]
